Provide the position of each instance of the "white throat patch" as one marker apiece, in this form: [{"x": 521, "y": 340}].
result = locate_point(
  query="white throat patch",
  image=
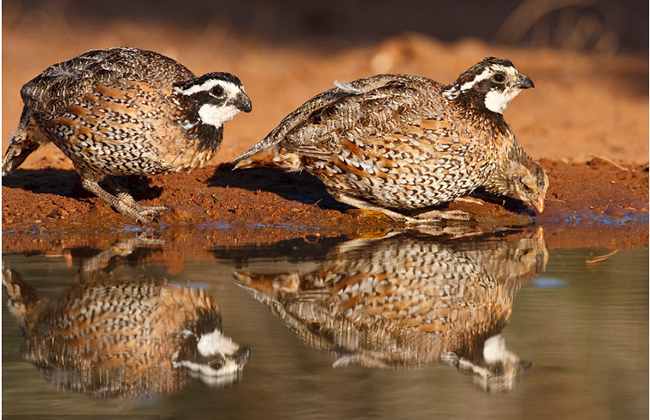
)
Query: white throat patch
[
  {"x": 497, "y": 101},
  {"x": 217, "y": 115},
  {"x": 216, "y": 343},
  {"x": 494, "y": 350}
]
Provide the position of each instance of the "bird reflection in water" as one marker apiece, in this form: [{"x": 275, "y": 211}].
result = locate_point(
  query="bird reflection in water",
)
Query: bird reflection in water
[
  {"x": 123, "y": 337},
  {"x": 410, "y": 301}
]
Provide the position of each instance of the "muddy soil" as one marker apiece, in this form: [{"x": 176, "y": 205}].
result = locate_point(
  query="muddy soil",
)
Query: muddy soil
[
  {"x": 586, "y": 122},
  {"x": 590, "y": 204}
]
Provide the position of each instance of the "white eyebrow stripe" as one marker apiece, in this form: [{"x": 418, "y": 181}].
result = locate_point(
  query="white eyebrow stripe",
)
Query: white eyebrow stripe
[
  {"x": 229, "y": 87},
  {"x": 486, "y": 74}
]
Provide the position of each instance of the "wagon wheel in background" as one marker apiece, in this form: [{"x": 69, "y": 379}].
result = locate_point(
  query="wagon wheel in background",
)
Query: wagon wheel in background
[{"x": 583, "y": 25}]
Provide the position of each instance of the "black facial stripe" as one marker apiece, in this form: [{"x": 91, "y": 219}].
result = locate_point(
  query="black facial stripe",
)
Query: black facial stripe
[
  {"x": 487, "y": 85},
  {"x": 204, "y": 97}
]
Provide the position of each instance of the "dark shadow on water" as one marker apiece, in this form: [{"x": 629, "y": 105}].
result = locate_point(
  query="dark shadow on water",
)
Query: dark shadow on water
[
  {"x": 301, "y": 187},
  {"x": 292, "y": 251},
  {"x": 295, "y": 251},
  {"x": 65, "y": 183}
]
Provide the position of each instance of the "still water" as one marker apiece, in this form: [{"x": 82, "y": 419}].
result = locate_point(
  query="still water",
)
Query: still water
[{"x": 408, "y": 326}]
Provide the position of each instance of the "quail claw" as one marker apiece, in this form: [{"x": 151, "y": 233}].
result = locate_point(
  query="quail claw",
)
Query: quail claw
[{"x": 139, "y": 213}]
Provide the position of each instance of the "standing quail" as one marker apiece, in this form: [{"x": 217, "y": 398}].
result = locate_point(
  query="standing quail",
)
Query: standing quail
[
  {"x": 401, "y": 144},
  {"x": 408, "y": 301},
  {"x": 125, "y": 111}
]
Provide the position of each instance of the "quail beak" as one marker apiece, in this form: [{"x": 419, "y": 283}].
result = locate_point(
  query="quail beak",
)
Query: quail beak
[
  {"x": 242, "y": 102},
  {"x": 539, "y": 204},
  {"x": 525, "y": 82}
]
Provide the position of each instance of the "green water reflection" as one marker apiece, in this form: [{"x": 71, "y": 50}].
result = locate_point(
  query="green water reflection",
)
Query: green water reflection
[{"x": 584, "y": 327}]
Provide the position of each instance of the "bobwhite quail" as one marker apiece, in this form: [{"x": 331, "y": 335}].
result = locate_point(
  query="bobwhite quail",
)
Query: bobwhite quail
[
  {"x": 401, "y": 144},
  {"x": 520, "y": 177},
  {"x": 408, "y": 301},
  {"x": 125, "y": 111},
  {"x": 124, "y": 337}
]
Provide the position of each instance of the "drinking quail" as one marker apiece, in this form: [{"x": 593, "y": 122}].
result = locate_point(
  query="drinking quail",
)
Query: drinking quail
[
  {"x": 520, "y": 177},
  {"x": 401, "y": 144},
  {"x": 125, "y": 111}
]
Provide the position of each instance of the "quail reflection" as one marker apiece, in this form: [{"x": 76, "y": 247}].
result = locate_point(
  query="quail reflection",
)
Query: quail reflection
[
  {"x": 114, "y": 337},
  {"x": 407, "y": 302}
]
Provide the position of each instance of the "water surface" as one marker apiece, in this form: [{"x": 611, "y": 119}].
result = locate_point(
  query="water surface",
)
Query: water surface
[{"x": 383, "y": 328}]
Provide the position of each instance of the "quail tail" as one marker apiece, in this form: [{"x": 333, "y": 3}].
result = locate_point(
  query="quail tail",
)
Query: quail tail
[
  {"x": 246, "y": 159},
  {"x": 259, "y": 158}
]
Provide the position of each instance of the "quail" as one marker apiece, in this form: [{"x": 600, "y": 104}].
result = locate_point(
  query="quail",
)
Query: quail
[
  {"x": 408, "y": 301},
  {"x": 125, "y": 111},
  {"x": 520, "y": 177},
  {"x": 124, "y": 337},
  {"x": 402, "y": 144}
]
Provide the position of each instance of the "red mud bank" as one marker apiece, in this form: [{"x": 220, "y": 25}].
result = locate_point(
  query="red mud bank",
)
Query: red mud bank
[{"x": 591, "y": 204}]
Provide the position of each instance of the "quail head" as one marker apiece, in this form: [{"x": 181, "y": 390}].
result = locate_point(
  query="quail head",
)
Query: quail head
[
  {"x": 520, "y": 177},
  {"x": 400, "y": 144},
  {"x": 125, "y": 111}
]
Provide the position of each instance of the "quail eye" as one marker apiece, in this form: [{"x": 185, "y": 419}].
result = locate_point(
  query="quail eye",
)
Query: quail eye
[
  {"x": 217, "y": 91},
  {"x": 499, "y": 78}
]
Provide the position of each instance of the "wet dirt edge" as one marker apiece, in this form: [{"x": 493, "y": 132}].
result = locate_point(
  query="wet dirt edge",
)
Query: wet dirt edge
[{"x": 594, "y": 204}]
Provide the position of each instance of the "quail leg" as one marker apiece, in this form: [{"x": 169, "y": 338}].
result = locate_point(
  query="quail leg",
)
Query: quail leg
[
  {"x": 471, "y": 200},
  {"x": 364, "y": 205},
  {"x": 433, "y": 215},
  {"x": 424, "y": 218},
  {"x": 123, "y": 203},
  {"x": 122, "y": 194}
]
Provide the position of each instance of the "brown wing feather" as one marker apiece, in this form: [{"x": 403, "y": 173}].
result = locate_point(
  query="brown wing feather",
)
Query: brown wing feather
[
  {"x": 66, "y": 83},
  {"x": 311, "y": 128}
]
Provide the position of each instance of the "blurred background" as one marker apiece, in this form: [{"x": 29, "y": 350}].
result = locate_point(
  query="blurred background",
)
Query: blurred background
[{"x": 588, "y": 58}]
